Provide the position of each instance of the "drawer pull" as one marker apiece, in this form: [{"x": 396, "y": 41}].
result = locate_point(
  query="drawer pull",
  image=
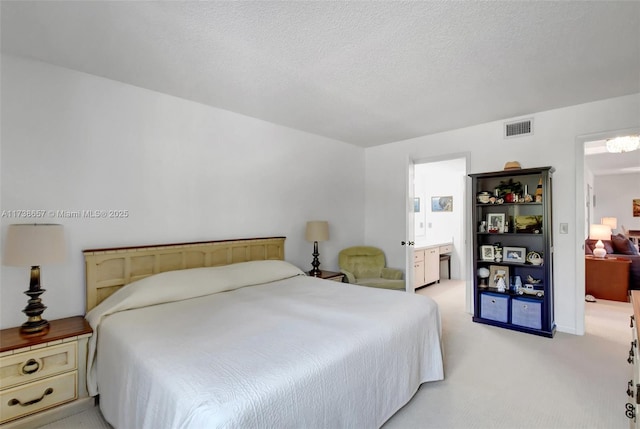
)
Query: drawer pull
[
  {"x": 15, "y": 401},
  {"x": 30, "y": 367}
]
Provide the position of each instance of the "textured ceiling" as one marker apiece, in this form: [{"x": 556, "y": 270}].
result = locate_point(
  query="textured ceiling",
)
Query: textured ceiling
[{"x": 366, "y": 73}]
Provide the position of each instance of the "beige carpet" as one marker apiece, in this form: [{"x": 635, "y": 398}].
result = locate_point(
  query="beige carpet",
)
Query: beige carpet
[{"x": 496, "y": 378}]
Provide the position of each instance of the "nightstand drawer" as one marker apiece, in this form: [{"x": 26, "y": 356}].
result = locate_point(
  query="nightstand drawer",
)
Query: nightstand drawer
[
  {"x": 37, "y": 396},
  {"x": 36, "y": 364}
]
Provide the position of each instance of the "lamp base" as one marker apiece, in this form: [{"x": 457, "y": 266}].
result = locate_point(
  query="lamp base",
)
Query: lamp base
[
  {"x": 35, "y": 324},
  {"x": 599, "y": 251},
  {"x": 34, "y": 327},
  {"x": 316, "y": 262}
]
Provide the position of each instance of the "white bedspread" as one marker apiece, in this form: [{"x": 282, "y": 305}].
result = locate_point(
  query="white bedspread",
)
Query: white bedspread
[{"x": 292, "y": 353}]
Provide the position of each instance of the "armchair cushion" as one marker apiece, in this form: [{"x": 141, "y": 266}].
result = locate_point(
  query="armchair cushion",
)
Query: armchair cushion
[{"x": 392, "y": 273}]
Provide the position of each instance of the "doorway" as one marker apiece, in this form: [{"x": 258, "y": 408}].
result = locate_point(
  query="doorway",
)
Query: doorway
[
  {"x": 438, "y": 210},
  {"x": 585, "y": 214}
]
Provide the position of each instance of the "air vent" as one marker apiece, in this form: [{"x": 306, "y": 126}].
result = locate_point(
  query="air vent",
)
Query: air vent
[{"x": 517, "y": 129}]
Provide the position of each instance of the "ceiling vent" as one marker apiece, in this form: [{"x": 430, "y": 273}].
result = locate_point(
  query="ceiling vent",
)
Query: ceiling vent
[{"x": 517, "y": 129}]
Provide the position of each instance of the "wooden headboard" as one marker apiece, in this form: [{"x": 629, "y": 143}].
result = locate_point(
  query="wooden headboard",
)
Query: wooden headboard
[{"x": 107, "y": 270}]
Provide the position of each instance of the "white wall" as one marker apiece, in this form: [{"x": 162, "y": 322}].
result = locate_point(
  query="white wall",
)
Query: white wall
[
  {"x": 552, "y": 144},
  {"x": 184, "y": 171},
  {"x": 614, "y": 194}
]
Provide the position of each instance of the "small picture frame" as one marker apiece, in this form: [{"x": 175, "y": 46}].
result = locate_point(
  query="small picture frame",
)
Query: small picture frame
[
  {"x": 442, "y": 204},
  {"x": 487, "y": 252},
  {"x": 495, "y": 222},
  {"x": 517, "y": 255},
  {"x": 496, "y": 272},
  {"x": 416, "y": 205}
]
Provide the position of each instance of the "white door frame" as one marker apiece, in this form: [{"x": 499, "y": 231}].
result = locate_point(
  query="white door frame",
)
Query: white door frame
[{"x": 580, "y": 216}]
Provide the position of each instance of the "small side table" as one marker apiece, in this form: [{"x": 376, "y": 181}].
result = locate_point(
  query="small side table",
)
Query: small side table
[
  {"x": 330, "y": 275},
  {"x": 42, "y": 378},
  {"x": 607, "y": 278}
]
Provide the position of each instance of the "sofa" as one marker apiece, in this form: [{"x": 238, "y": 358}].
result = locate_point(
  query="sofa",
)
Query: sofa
[{"x": 620, "y": 247}]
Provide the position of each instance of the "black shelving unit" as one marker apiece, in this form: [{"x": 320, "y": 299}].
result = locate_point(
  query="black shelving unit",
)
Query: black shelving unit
[{"x": 521, "y": 227}]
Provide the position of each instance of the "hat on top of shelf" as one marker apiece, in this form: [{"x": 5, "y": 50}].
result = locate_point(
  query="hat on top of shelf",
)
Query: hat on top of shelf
[{"x": 512, "y": 165}]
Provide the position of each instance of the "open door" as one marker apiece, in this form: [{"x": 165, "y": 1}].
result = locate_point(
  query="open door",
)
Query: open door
[{"x": 410, "y": 227}]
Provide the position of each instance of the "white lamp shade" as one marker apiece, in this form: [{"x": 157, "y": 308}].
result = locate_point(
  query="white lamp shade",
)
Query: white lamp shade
[
  {"x": 34, "y": 245},
  {"x": 600, "y": 232},
  {"x": 317, "y": 230},
  {"x": 612, "y": 222}
]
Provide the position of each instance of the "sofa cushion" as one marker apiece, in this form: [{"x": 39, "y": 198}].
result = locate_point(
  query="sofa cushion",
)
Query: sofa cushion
[{"x": 623, "y": 245}]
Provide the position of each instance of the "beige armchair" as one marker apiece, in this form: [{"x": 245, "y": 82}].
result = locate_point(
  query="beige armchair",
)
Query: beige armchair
[{"x": 365, "y": 265}]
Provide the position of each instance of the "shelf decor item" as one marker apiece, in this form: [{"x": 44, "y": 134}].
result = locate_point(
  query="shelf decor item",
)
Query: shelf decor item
[
  {"x": 484, "y": 274},
  {"x": 498, "y": 273},
  {"x": 523, "y": 279},
  {"x": 495, "y": 222},
  {"x": 515, "y": 254},
  {"x": 487, "y": 252},
  {"x": 534, "y": 258}
]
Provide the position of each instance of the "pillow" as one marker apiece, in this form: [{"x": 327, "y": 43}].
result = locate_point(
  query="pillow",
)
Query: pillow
[{"x": 623, "y": 245}]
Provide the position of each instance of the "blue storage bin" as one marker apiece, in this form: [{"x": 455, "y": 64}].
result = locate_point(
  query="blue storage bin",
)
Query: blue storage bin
[
  {"x": 526, "y": 312},
  {"x": 494, "y": 306}
]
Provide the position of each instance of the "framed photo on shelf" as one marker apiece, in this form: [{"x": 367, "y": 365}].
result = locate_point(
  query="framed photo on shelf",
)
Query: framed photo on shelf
[
  {"x": 497, "y": 272},
  {"x": 515, "y": 254},
  {"x": 495, "y": 222},
  {"x": 487, "y": 252}
]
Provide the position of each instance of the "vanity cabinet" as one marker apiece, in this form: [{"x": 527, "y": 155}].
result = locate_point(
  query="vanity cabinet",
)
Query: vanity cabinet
[
  {"x": 513, "y": 250},
  {"x": 426, "y": 264}
]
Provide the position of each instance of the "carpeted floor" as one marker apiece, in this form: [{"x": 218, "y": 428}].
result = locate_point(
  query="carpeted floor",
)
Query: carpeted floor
[{"x": 496, "y": 378}]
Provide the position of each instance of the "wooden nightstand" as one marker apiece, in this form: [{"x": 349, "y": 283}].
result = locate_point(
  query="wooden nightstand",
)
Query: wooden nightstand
[
  {"x": 43, "y": 378},
  {"x": 330, "y": 275},
  {"x": 607, "y": 278}
]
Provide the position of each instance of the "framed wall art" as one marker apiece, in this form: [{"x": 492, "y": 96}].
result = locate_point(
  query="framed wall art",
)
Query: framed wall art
[
  {"x": 636, "y": 207},
  {"x": 442, "y": 204}
]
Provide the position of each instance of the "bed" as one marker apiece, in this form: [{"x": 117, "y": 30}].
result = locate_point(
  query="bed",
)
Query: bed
[{"x": 227, "y": 334}]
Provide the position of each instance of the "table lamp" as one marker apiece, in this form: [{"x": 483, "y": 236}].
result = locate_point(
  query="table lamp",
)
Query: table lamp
[
  {"x": 611, "y": 221},
  {"x": 32, "y": 245},
  {"x": 317, "y": 230},
  {"x": 599, "y": 232}
]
